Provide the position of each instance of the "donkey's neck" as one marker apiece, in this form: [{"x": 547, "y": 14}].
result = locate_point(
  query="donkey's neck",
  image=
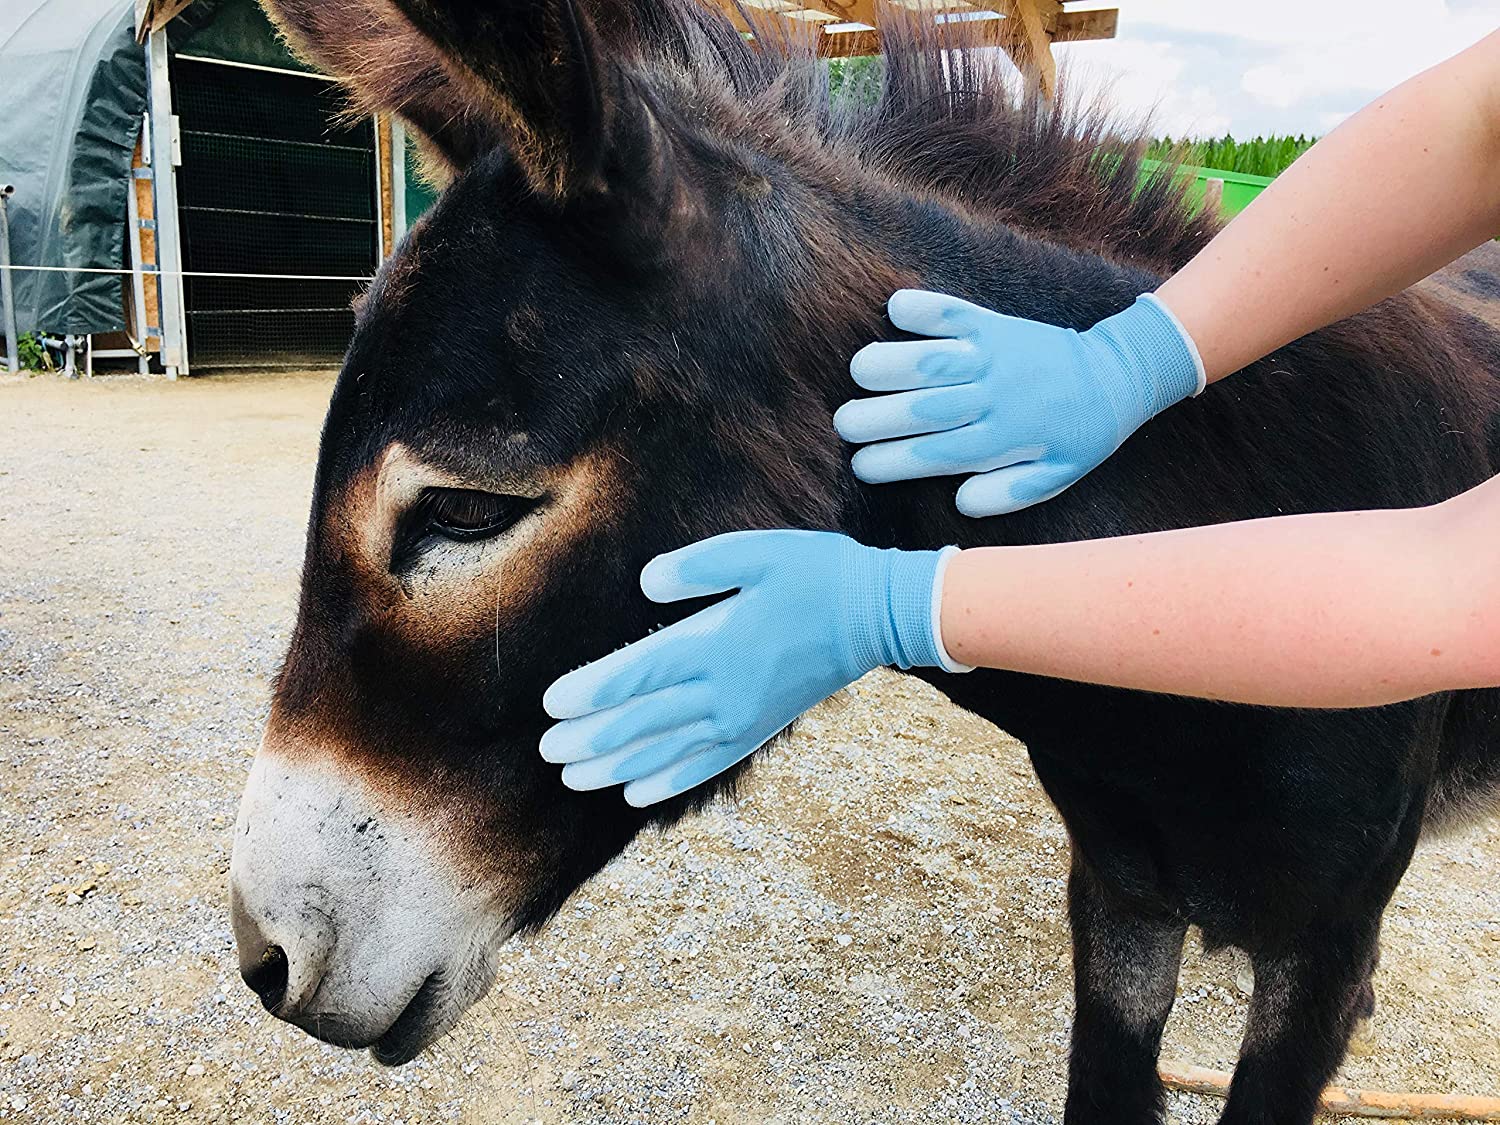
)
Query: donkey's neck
[{"x": 1007, "y": 270}]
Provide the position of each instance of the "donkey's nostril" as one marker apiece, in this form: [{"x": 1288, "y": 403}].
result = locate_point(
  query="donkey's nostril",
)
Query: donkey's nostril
[{"x": 267, "y": 978}]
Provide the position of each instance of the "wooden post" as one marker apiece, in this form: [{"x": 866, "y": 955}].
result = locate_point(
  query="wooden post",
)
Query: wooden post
[
  {"x": 382, "y": 207},
  {"x": 142, "y": 188},
  {"x": 135, "y": 237},
  {"x": 1031, "y": 46},
  {"x": 1213, "y": 195}
]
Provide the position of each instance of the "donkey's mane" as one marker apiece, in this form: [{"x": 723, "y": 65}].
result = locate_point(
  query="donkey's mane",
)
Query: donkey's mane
[{"x": 943, "y": 118}]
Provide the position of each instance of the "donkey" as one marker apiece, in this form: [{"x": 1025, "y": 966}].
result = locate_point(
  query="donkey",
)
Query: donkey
[{"x": 625, "y": 326}]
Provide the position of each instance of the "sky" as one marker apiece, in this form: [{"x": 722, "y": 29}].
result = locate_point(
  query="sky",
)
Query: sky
[{"x": 1209, "y": 67}]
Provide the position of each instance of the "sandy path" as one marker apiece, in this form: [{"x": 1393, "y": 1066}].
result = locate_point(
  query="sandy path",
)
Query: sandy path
[{"x": 873, "y": 934}]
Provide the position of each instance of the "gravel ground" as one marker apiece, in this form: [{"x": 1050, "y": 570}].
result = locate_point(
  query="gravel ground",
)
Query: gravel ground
[{"x": 844, "y": 944}]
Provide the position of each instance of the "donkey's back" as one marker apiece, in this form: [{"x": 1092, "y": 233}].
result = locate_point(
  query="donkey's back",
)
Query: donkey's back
[{"x": 1284, "y": 832}]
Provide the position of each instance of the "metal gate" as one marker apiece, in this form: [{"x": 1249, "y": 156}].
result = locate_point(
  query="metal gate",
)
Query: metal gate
[{"x": 274, "y": 180}]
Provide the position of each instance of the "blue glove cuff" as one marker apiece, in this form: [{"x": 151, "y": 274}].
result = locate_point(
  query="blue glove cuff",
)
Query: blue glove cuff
[
  {"x": 1200, "y": 373},
  {"x": 898, "y": 597},
  {"x": 1151, "y": 345}
]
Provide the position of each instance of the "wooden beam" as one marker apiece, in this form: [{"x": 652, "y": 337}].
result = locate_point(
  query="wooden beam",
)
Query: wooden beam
[
  {"x": 154, "y": 14},
  {"x": 1031, "y": 48},
  {"x": 1071, "y": 27},
  {"x": 773, "y": 25},
  {"x": 846, "y": 11},
  {"x": 1008, "y": 34},
  {"x": 1077, "y": 27}
]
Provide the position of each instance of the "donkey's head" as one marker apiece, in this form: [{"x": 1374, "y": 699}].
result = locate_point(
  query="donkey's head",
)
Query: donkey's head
[
  {"x": 624, "y": 326},
  {"x": 592, "y": 350}
]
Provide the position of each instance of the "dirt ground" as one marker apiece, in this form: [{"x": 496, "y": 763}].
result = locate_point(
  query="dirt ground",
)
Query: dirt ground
[{"x": 873, "y": 934}]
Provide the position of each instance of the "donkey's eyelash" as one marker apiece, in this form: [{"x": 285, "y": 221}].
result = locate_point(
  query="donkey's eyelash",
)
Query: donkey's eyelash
[{"x": 457, "y": 515}]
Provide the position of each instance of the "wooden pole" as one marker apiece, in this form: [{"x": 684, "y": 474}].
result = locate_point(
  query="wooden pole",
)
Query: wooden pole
[
  {"x": 1031, "y": 50},
  {"x": 1213, "y": 195},
  {"x": 1350, "y": 1102}
]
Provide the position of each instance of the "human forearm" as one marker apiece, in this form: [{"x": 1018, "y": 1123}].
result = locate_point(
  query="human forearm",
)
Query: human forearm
[
  {"x": 1405, "y": 186},
  {"x": 1342, "y": 610}
]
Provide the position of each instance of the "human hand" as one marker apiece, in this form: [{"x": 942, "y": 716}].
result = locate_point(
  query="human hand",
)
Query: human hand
[
  {"x": 811, "y": 612},
  {"x": 1027, "y": 407}
]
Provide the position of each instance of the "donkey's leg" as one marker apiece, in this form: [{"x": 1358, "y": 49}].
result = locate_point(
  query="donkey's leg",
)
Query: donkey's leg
[
  {"x": 1125, "y": 979},
  {"x": 1308, "y": 997}
]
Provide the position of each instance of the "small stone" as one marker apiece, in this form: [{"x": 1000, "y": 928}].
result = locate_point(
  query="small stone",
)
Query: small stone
[
  {"x": 18, "y": 1103},
  {"x": 614, "y": 980},
  {"x": 1244, "y": 980},
  {"x": 195, "y": 1070},
  {"x": 844, "y": 941},
  {"x": 85, "y": 944},
  {"x": 569, "y": 1081},
  {"x": 67, "y": 999},
  {"x": 101, "y": 869}
]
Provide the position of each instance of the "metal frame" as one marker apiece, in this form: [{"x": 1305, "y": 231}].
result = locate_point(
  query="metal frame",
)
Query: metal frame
[
  {"x": 379, "y": 198},
  {"x": 164, "y": 160},
  {"x": 7, "y": 296},
  {"x": 398, "y": 181}
]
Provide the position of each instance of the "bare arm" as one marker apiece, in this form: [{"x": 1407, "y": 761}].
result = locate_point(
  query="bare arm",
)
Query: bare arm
[
  {"x": 1344, "y": 610},
  {"x": 1402, "y": 188}
]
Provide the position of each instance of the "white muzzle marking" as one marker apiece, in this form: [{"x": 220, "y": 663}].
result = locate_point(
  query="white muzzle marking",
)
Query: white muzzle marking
[{"x": 359, "y": 899}]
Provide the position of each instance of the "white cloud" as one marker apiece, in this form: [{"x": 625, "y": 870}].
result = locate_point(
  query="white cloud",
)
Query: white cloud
[
  {"x": 1213, "y": 66},
  {"x": 1148, "y": 78}
]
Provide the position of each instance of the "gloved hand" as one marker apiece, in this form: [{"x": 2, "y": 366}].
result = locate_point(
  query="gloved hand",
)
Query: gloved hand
[
  {"x": 813, "y": 612},
  {"x": 1029, "y": 407}
]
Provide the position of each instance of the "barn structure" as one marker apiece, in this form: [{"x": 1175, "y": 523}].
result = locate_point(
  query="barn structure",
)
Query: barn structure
[{"x": 188, "y": 193}]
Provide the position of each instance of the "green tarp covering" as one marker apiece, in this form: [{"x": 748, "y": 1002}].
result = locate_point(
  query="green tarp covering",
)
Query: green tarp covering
[
  {"x": 420, "y": 195},
  {"x": 231, "y": 30},
  {"x": 72, "y": 91}
]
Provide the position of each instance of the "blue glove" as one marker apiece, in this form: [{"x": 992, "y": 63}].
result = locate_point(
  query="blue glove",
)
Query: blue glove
[
  {"x": 1028, "y": 407},
  {"x": 813, "y": 612}
]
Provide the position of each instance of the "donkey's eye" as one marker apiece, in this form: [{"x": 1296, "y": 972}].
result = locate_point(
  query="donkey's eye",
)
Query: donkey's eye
[{"x": 462, "y": 515}]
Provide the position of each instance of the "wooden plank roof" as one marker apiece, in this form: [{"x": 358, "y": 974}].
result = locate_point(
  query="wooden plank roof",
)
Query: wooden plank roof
[{"x": 1025, "y": 29}]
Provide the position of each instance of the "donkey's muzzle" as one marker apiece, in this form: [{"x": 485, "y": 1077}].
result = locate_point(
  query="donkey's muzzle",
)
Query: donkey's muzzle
[{"x": 347, "y": 914}]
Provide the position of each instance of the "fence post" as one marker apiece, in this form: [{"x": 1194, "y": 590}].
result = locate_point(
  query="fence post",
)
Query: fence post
[
  {"x": 141, "y": 323},
  {"x": 174, "y": 355},
  {"x": 398, "y": 180},
  {"x": 1213, "y": 195},
  {"x": 7, "y": 296}
]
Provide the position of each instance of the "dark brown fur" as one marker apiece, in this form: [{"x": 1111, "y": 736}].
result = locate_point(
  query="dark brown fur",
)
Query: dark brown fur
[{"x": 640, "y": 295}]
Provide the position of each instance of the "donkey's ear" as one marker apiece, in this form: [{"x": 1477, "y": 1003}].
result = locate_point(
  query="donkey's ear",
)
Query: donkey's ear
[
  {"x": 565, "y": 109},
  {"x": 390, "y": 66}
]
